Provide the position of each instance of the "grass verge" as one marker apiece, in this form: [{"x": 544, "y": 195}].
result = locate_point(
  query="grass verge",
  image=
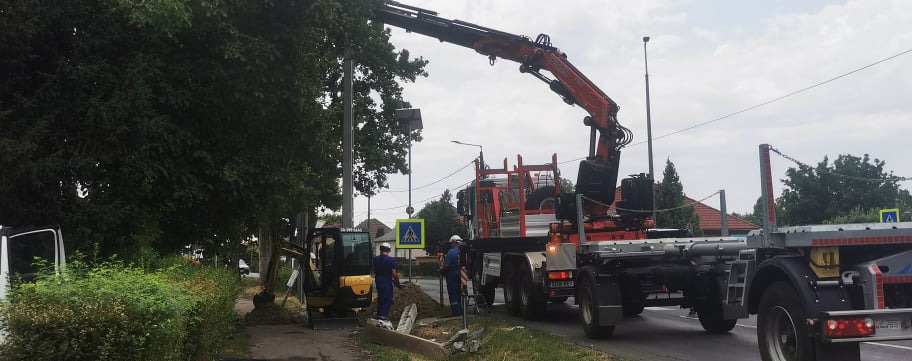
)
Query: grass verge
[{"x": 500, "y": 341}]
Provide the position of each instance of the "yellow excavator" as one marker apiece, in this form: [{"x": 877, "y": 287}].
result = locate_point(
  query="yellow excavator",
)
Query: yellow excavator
[{"x": 335, "y": 264}]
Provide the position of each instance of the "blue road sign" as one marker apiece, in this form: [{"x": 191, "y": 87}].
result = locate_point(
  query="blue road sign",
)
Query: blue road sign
[
  {"x": 410, "y": 233},
  {"x": 889, "y": 215}
]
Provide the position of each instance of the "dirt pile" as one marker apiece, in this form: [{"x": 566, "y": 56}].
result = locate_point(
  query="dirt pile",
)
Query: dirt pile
[
  {"x": 410, "y": 293},
  {"x": 272, "y": 314}
]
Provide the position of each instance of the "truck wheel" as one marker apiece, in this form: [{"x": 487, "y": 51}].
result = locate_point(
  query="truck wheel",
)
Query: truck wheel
[
  {"x": 711, "y": 319},
  {"x": 509, "y": 290},
  {"x": 531, "y": 300},
  {"x": 541, "y": 198},
  {"x": 633, "y": 308},
  {"x": 779, "y": 332},
  {"x": 558, "y": 300},
  {"x": 588, "y": 305}
]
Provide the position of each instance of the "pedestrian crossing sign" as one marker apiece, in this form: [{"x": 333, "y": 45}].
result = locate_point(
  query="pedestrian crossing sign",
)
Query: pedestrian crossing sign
[
  {"x": 889, "y": 215},
  {"x": 410, "y": 233}
]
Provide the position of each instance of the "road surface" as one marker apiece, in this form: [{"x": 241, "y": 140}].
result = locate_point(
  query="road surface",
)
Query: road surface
[{"x": 665, "y": 333}]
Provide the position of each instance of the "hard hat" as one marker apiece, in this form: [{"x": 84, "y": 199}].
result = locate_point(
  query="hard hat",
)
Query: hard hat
[
  {"x": 455, "y": 238},
  {"x": 385, "y": 245}
]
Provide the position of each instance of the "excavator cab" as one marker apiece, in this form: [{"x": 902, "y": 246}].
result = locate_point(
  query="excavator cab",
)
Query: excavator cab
[
  {"x": 335, "y": 265},
  {"x": 337, "y": 269}
]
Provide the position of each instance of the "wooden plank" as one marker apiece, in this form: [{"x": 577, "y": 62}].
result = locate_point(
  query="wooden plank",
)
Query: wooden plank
[{"x": 407, "y": 342}]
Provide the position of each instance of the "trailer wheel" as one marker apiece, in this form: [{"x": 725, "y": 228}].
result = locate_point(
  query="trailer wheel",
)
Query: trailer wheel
[
  {"x": 531, "y": 301},
  {"x": 588, "y": 305},
  {"x": 541, "y": 198},
  {"x": 509, "y": 290},
  {"x": 779, "y": 332},
  {"x": 711, "y": 319},
  {"x": 559, "y": 300}
]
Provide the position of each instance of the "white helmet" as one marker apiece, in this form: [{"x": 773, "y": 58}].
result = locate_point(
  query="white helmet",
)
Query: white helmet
[
  {"x": 385, "y": 245},
  {"x": 455, "y": 238}
]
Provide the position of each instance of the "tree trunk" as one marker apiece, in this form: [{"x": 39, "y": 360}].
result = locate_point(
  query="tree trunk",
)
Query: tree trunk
[{"x": 266, "y": 245}]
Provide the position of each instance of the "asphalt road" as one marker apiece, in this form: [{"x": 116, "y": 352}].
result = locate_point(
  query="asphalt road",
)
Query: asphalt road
[{"x": 666, "y": 333}]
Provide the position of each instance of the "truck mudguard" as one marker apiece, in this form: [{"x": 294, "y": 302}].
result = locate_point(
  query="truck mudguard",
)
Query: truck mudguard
[{"x": 798, "y": 273}]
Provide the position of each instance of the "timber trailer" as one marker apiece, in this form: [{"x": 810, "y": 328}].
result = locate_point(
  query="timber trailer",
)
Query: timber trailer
[{"x": 817, "y": 290}]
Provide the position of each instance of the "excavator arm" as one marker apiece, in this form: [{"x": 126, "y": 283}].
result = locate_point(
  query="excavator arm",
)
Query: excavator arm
[{"x": 597, "y": 176}]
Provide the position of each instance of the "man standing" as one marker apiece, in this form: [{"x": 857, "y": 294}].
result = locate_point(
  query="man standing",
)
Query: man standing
[
  {"x": 451, "y": 264},
  {"x": 386, "y": 274}
]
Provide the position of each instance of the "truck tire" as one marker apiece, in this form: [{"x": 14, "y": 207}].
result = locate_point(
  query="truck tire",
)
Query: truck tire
[
  {"x": 780, "y": 333},
  {"x": 710, "y": 316},
  {"x": 558, "y": 300},
  {"x": 509, "y": 290},
  {"x": 531, "y": 299},
  {"x": 588, "y": 306},
  {"x": 541, "y": 198}
]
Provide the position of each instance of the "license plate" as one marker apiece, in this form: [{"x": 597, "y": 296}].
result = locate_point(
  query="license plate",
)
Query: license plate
[
  {"x": 889, "y": 325},
  {"x": 560, "y": 284}
]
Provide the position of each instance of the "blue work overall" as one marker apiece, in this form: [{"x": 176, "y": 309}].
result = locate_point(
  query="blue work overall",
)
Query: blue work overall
[
  {"x": 383, "y": 273},
  {"x": 453, "y": 281}
]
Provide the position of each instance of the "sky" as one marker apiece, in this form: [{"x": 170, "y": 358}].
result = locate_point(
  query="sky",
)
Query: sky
[{"x": 707, "y": 60}]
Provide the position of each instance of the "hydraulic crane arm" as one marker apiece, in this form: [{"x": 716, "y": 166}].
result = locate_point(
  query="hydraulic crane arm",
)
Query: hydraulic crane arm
[{"x": 598, "y": 173}]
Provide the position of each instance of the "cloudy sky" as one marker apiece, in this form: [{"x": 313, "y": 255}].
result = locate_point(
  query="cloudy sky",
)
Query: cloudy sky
[{"x": 707, "y": 59}]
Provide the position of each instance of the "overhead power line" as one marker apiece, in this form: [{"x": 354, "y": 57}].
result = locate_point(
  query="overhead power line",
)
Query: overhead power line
[
  {"x": 776, "y": 99},
  {"x": 429, "y": 184}
]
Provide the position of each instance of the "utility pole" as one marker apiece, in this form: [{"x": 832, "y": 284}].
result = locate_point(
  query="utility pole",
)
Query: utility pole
[{"x": 649, "y": 128}]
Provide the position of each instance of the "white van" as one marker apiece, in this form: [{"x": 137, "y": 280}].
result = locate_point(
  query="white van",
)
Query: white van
[
  {"x": 20, "y": 246},
  {"x": 18, "y": 249}
]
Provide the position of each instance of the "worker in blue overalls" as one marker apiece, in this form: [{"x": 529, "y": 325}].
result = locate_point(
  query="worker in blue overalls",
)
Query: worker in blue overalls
[
  {"x": 386, "y": 275},
  {"x": 451, "y": 264}
]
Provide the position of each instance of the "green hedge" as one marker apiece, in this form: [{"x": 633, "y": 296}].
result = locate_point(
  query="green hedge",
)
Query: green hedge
[{"x": 114, "y": 312}]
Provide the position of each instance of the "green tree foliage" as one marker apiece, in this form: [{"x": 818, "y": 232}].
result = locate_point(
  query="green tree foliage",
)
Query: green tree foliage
[
  {"x": 567, "y": 185},
  {"x": 756, "y": 215},
  {"x": 669, "y": 201},
  {"x": 831, "y": 192},
  {"x": 169, "y": 122},
  {"x": 441, "y": 222}
]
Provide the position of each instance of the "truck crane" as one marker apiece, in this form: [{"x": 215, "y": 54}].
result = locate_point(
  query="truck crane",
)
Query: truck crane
[
  {"x": 598, "y": 173},
  {"x": 818, "y": 291}
]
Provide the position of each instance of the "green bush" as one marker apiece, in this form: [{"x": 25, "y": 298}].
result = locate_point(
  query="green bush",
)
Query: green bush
[
  {"x": 215, "y": 290},
  {"x": 423, "y": 269},
  {"x": 115, "y": 312}
]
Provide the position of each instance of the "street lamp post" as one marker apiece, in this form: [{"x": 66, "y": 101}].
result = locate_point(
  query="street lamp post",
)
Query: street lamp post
[
  {"x": 411, "y": 118},
  {"x": 480, "y": 152},
  {"x": 649, "y": 128}
]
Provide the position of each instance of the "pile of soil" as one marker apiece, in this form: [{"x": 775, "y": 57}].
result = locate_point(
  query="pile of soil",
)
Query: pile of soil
[
  {"x": 409, "y": 294},
  {"x": 272, "y": 314}
]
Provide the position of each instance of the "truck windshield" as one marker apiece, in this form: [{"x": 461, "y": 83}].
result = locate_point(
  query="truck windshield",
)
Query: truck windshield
[
  {"x": 25, "y": 248},
  {"x": 357, "y": 253}
]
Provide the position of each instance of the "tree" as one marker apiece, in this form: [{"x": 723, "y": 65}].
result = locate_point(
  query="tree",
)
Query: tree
[
  {"x": 756, "y": 215},
  {"x": 670, "y": 209},
  {"x": 441, "y": 222},
  {"x": 163, "y": 123},
  {"x": 567, "y": 185},
  {"x": 851, "y": 184}
]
